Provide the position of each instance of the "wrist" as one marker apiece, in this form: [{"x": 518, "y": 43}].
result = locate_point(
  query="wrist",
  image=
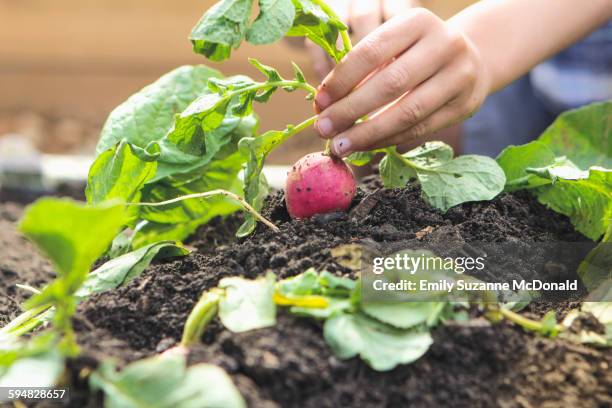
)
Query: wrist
[
  {"x": 486, "y": 67},
  {"x": 485, "y": 83}
]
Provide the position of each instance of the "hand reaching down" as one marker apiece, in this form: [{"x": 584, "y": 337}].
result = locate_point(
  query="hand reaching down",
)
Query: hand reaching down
[{"x": 415, "y": 72}]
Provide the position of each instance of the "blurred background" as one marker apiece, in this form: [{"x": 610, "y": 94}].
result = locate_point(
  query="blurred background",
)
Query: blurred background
[{"x": 65, "y": 64}]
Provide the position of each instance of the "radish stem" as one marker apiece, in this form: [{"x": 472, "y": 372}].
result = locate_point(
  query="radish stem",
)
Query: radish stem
[
  {"x": 525, "y": 322},
  {"x": 346, "y": 40},
  {"x": 202, "y": 313},
  {"x": 212, "y": 193},
  {"x": 346, "y": 43}
]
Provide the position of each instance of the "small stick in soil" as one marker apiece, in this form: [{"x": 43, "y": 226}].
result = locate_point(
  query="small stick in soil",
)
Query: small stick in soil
[
  {"x": 28, "y": 288},
  {"x": 211, "y": 193}
]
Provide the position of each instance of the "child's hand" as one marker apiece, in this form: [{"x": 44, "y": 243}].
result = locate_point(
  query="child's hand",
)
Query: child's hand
[
  {"x": 362, "y": 17},
  {"x": 415, "y": 71}
]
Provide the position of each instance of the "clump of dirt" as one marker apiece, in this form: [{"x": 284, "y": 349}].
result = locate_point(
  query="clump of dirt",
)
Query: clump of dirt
[{"x": 217, "y": 233}]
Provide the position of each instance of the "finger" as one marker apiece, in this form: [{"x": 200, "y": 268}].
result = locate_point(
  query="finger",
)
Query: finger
[
  {"x": 389, "y": 84},
  {"x": 448, "y": 116},
  {"x": 392, "y": 8},
  {"x": 383, "y": 44},
  {"x": 365, "y": 17},
  {"x": 406, "y": 113}
]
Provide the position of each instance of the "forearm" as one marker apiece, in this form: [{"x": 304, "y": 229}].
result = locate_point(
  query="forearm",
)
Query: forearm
[{"x": 512, "y": 36}]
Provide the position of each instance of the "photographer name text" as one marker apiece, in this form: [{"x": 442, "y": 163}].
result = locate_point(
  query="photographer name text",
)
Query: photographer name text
[{"x": 465, "y": 285}]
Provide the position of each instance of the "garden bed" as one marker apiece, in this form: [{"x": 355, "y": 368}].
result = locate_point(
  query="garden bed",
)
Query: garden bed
[
  {"x": 471, "y": 364},
  {"x": 284, "y": 315}
]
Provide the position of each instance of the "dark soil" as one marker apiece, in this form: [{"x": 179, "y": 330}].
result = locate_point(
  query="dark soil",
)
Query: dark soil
[
  {"x": 469, "y": 365},
  {"x": 24, "y": 195}
]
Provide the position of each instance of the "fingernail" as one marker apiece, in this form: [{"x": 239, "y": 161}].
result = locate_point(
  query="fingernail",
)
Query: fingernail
[
  {"x": 341, "y": 146},
  {"x": 323, "y": 99},
  {"x": 325, "y": 127}
]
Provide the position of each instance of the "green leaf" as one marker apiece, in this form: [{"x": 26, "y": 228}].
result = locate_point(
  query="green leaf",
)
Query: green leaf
[
  {"x": 303, "y": 284},
  {"x": 274, "y": 20},
  {"x": 147, "y": 116},
  {"x": 247, "y": 304},
  {"x": 561, "y": 168},
  {"x": 587, "y": 201},
  {"x": 227, "y": 24},
  {"x": 209, "y": 115},
  {"x": 298, "y": 73},
  {"x": 331, "y": 283},
  {"x": 119, "y": 173},
  {"x": 271, "y": 73},
  {"x": 361, "y": 158},
  {"x": 583, "y": 135},
  {"x": 335, "y": 305},
  {"x": 36, "y": 362},
  {"x": 194, "y": 125},
  {"x": 73, "y": 236},
  {"x": 221, "y": 28},
  {"x": 514, "y": 160},
  {"x": 431, "y": 154},
  {"x": 218, "y": 145},
  {"x": 255, "y": 185},
  {"x": 229, "y": 100},
  {"x": 165, "y": 381},
  {"x": 596, "y": 268},
  {"x": 313, "y": 22},
  {"x": 204, "y": 142},
  {"x": 335, "y": 290},
  {"x": 256, "y": 149},
  {"x": 219, "y": 174},
  {"x": 381, "y": 346},
  {"x": 120, "y": 244},
  {"x": 445, "y": 181},
  {"x": 178, "y": 221},
  {"x": 119, "y": 271},
  {"x": 313, "y": 283},
  {"x": 403, "y": 315},
  {"x": 40, "y": 371},
  {"x": 554, "y": 167},
  {"x": 463, "y": 179},
  {"x": 549, "y": 324},
  {"x": 148, "y": 233},
  {"x": 394, "y": 172}
]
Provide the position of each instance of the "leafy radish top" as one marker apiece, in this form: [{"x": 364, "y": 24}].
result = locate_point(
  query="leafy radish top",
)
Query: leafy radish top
[{"x": 194, "y": 131}]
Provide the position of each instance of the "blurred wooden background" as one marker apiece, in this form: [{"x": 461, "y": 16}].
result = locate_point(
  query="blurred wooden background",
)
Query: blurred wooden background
[{"x": 78, "y": 59}]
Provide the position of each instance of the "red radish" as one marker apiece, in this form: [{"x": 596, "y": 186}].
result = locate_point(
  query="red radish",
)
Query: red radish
[{"x": 319, "y": 184}]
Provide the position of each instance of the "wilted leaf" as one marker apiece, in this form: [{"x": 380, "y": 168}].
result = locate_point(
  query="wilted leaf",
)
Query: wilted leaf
[
  {"x": 165, "y": 381},
  {"x": 247, "y": 304},
  {"x": 121, "y": 270},
  {"x": 381, "y": 346}
]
